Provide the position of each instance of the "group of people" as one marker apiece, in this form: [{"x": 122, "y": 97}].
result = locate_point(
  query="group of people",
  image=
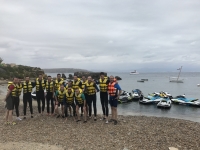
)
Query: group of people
[{"x": 71, "y": 97}]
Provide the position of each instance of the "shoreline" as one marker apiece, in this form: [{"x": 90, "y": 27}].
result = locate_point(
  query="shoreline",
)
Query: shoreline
[{"x": 132, "y": 132}]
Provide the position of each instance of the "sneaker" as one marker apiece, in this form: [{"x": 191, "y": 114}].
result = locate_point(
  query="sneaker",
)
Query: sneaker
[
  {"x": 63, "y": 116},
  {"x": 81, "y": 115},
  {"x": 31, "y": 116},
  {"x": 18, "y": 119},
  {"x": 12, "y": 123},
  {"x": 103, "y": 118},
  {"x": 57, "y": 116},
  {"x": 24, "y": 117},
  {"x": 106, "y": 121},
  {"x": 95, "y": 119}
]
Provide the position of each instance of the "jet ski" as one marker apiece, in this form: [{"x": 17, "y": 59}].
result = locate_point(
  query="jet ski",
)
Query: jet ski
[
  {"x": 33, "y": 95},
  {"x": 124, "y": 97},
  {"x": 137, "y": 95},
  {"x": 151, "y": 98},
  {"x": 164, "y": 103},
  {"x": 181, "y": 99}
]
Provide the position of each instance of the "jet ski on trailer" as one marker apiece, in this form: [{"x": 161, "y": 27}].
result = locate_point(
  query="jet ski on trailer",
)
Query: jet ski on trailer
[
  {"x": 124, "y": 97},
  {"x": 181, "y": 99}
]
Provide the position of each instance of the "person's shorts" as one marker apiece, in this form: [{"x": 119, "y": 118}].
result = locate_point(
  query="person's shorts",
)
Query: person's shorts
[
  {"x": 79, "y": 105},
  {"x": 59, "y": 103},
  {"x": 9, "y": 103},
  {"x": 113, "y": 101}
]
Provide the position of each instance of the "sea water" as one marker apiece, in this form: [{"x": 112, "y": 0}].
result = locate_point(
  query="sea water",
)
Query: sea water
[{"x": 156, "y": 82}]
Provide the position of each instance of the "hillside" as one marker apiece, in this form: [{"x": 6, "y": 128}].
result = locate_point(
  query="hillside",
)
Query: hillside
[
  {"x": 63, "y": 70},
  {"x": 8, "y": 71}
]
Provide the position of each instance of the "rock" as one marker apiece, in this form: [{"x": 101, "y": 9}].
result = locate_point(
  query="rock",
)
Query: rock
[
  {"x": 64, "y": 76},
  {"x": 94, "y": 75},
  {"x": 173, "y": 148},
  {"x": 118, "y": 78}
]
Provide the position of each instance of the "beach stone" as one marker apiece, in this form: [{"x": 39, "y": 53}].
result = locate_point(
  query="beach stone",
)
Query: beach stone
[{"x": 173, "y": 148}]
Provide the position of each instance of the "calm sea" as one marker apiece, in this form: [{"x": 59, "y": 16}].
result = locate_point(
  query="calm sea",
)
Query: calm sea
[{"x": 157, "y": 82}]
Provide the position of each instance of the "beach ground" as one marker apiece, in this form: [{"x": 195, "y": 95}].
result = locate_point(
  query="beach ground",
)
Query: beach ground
[{"x": 132, "y": 132}]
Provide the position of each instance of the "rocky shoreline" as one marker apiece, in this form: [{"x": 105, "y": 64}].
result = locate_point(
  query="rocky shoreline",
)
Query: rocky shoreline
[{"x": 132, "y": 132}]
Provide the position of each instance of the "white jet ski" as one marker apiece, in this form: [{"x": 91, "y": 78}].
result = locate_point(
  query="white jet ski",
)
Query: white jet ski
[{"x": 164, "y": 103}]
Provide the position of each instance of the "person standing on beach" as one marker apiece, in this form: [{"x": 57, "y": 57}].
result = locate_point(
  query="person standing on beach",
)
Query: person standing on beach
[
  {"x": 84, "y": 81},
  {"x": 27, "y": 90},
  {"x": 12, "y": 94},
  {"x": 59, "y": 96},
  {"x": 58, "y": 82},
  {"x": 114, "y": 92},
  {"x": 103, "y": 85},
  {"x": 69, "y": 102},
  {"x": 40, "y": 87},
  {"x": 80, "y": 103},
  {"x": 50, "y": 95},
  {"x": 91, "y": 89}
]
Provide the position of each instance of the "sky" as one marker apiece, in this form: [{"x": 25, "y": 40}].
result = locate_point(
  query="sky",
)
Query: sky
[{"x": 105, "y": 35}]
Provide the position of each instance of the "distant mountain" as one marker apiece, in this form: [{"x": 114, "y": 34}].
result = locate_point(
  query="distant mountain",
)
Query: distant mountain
[{"x": 63, "y": 70}]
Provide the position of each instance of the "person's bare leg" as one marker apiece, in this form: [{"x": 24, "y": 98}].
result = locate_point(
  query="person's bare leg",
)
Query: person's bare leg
[
  {"x": 10, "y": 116},
  {"x": 85, "y": 114},
  {"x": 115, "y": 113},
  {"x": 77, "y": 113},
  {"x": 6, "y": 116}
]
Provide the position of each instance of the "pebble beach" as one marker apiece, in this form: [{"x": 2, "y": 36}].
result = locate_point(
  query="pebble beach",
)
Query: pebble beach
[{"x": 132, "y": 132}]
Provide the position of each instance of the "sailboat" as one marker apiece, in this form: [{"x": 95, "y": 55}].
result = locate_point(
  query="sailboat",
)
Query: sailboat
[{"x": 177, "y": 79}]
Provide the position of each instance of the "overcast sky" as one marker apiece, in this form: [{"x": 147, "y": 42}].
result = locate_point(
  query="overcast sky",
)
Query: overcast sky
[{"x": 108, "y": 35}]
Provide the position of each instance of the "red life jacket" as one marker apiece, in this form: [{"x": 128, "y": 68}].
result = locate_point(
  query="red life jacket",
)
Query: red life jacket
[{"x": 111, "y": 89}]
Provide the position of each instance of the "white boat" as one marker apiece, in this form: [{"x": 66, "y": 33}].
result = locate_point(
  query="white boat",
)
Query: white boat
[
  {"x": 134, "y": 72},
  {"x": 176, "y": 79}
]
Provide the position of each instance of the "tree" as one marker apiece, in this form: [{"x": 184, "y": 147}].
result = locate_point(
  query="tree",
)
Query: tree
[{"x": 1, "y": 60}]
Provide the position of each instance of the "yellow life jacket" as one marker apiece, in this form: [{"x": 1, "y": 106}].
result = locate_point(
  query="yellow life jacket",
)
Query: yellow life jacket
[
  {"x": 49, "y": 86},
  {"x": 19, "y": 86},
  {"x": 61, "y": 95},
  {"x": 27, "y": 88},
  {"x": 58, "y": 84},
  {"x": 83, "y": 84},
  {"x": 76, "y": 85},
  {"x": 102, "y": 85},
  {"x": 90, "y": 88},
  {"x": 38, "y": 85},
  {"x": 79, "y": 99},
  {"x": 14, "y": 92},
  {"x": 69, "y": 97}
]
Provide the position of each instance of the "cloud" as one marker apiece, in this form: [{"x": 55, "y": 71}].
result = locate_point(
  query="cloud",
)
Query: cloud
[{"x": 101, "y": 35}]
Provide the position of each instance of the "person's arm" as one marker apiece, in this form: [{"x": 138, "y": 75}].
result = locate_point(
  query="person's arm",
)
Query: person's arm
[
  {"x": 56, "y": 94},
  {"x": 96, "y": 87},
  {"x": 10, "y": 88},
  {"x": 97, "y": 82},
  {"x": 119, "y": 89},
  {"x": 84, "y": 100}
]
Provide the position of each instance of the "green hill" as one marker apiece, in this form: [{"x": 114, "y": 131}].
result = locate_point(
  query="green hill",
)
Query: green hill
[{"x": 7, "y": 71}]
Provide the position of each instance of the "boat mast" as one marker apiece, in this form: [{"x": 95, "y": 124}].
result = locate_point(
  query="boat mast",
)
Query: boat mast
[{"x": 179, "y": 73}]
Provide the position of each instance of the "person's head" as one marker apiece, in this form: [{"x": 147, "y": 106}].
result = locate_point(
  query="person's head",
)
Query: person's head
[
  {"x": 19, "y": 80},
  {"x": 69, "y": 90},
  {"x": 70, "y": 83},
  {"x": 58, "y": 76},
  {"x": 77, "y": 91},
  {"x": 27, "y": 79},
  {"x": 15, "y": 80},
  {"x": 40, "y": 77},
  {"x": 49, "y": 78},
  {"x": 83, "y": 78},
  {"x": 89, "y": 79},
  {"x": 75, "y": 78},
  {"x": 112, "y": 78},
  {"x": 62, "y": 87},
  {"x": 102, "y": 75}
]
